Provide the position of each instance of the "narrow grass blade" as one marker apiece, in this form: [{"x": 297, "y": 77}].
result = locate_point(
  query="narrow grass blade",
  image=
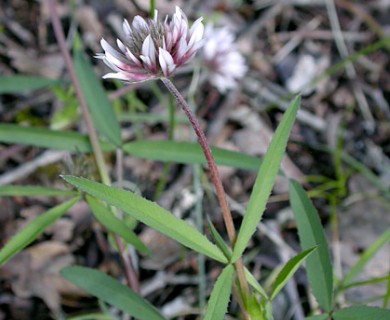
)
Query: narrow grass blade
[
  {"x": 318, "y": 265},
  {"x": 189, "y": 153},
  {"x": 265, "y": 180},
  {"x": 288, "y": 271},
  {"x": 365, "y": 257},
  {"x": 386, "y": 297},
  {"x": 362, "y": 313},
  {"x": 255, "y": 285},
  {"x": 151, "y": 214},
  {"x": 99, "y": 106},
  {"x": 33, "y": 229},
  {"x": 19, "y": 83},
  {"x": 105, "y": 216},
  {"x": 29, "y": 191},
  {"x": 111, "y": 291},
  {"x": 219, "y": 240},
  {"x": 46, "y": 138},
  {"x": 219, "y": 299}
]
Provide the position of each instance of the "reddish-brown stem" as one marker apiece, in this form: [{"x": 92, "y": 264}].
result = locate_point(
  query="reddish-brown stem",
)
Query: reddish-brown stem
[
  {"x": 227, "y": 217},
  {"x": 215, "y": 178},
  {"x": 93, "y": 138}
]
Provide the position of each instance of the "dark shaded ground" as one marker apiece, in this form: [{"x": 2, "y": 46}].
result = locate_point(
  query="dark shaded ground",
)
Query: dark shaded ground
[{"x": 339, "y": 147}]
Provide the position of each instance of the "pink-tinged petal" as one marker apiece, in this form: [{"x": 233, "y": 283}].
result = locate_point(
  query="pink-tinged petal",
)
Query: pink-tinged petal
[
  {"x": 139, "y": 24},
  {"x": 115, "y": 61},
  {"x": 148, "y": 49},
  {"x": 179, "y": 25},
  {"x": 148, "y": 64},
  {"x": 106, "y": 46},
  {"x": 119, "y": 75},
  {"x": 196, "y": 32},
  {"x": 136, "y": 58},
  {"x": 127, "y": 29},
  {"x": 121, "y": 46},
  {"x": 132, "y": 57},
  {"x": 181, "y": 50},
  {"x": 131, "y": 77},
  {"x": 166, "y": 62},
  {"x": 167, "y": 40},
  {"x": 108, "y": 50},
  {"x": 180, "y": 14}
]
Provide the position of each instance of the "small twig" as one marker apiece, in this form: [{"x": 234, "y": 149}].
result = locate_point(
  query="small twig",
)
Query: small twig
[
  {"x": 93, "y": 137},
  {"x": 80, "y": 97},
  {"x": 349, "y": 68},
  {"x": 25, "y": 169}
]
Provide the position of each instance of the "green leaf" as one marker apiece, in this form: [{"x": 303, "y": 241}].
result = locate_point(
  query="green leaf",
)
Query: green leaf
[
  {"x": 255, "y": 285},
  {"x": 150, "y": 214},
  {"x": 11, "y": 190},
  {"x": 362, "y": 313},
  {"x": 219, "y": 240},
  {"x": 265, "y": 180},
  {"x": 105, "y": 216},
  {"x": 318, "y": 317},
  {"x": 101, "y": 110},
  {"x": 19, "y": 83},
  {"x": 219, "y": 299},
  {"x": 365, "y": 258},
  {"x": 111, "y": 291},
  {"x": 288, "y": 271},
  {"x": 46, "y": 138},
  {"x": 92, "y": 316},
  {"x": 318, "y": 265},
  {"x": 255, "y": 308},
  {"x": 33, "y": 229},
  {"x": 189, "y": 153}
]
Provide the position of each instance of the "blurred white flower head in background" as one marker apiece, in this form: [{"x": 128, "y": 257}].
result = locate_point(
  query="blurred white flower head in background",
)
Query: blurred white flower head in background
[
  {"x": 220, "y": 55},
  {"x": 152, "y": 49}
]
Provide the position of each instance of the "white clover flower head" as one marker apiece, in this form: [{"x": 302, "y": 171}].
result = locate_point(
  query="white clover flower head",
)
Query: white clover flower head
[
  {"x": 152, "y": 49},
  {"x": 220, "y": 55}
]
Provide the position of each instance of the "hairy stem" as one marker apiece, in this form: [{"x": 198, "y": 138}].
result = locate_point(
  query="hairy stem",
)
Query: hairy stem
[
  {"x": 227, "y": 217},
  {"x": 216, "y": 180}
]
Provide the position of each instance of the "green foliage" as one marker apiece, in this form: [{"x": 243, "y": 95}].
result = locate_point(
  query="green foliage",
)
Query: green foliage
[
  {"x": 361, "y": 313},
  {"x": 255, "y": 285},
  {"x": 365, "y": 258},
  {"x": 190, "y": 153},
  {"x": 318, "y": 317},
  {"x": 68, "y": 113},
  {"x": 288, "y": 271},
  {"x": 111, "y": 291},
  {"x": 46, "y": 138},
  {"x": 311, "y": 234},
  {"x": 162, "y": 150},
  {"x": 19, "y": 83},
  {"x": 105, "y": 216},
  {"x": 11, "y": 190},
  {"x": 255, "y": 308},
  {"x": 92, "y": 316},
  {"x": 151, "y": 214},
  {"x": 33, "y": 229},
  {"x": 99, "y": 106},
  {"x": 265, "y": 179},
  {"x": 220, "y": 295},
  {"x": 219, "y": 240}
]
